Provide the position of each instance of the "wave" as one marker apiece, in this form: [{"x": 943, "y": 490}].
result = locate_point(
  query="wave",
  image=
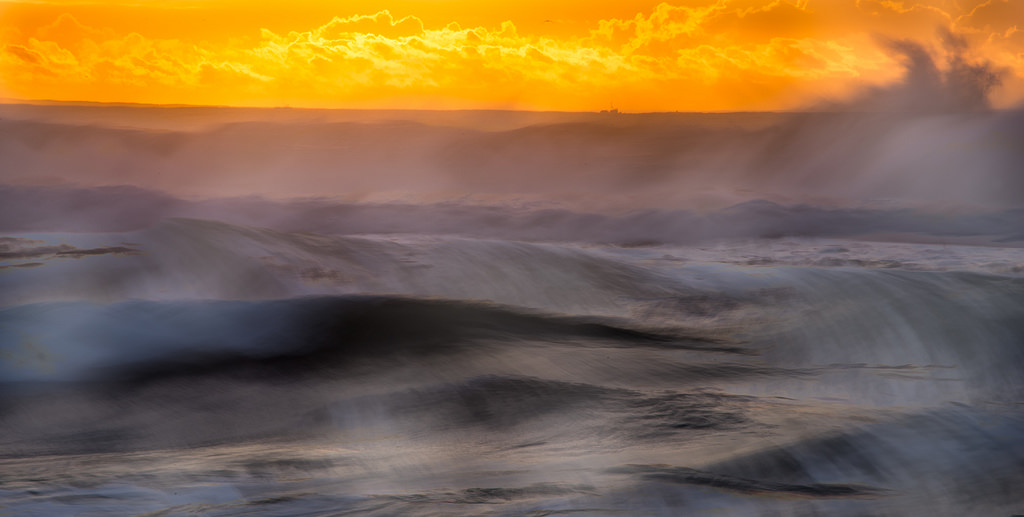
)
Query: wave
[
  {"x": 143, "y": 340},
  {"x": 127, "y": 208},
  {"x": 293, "y": 372},
  {"x": 517, "y": 314},
  {"x": 948, "y": 324},
  {"x": 210, "y": 260},
  {"x": 941, "y": 462},
  {"x": 641, "y": 161}
]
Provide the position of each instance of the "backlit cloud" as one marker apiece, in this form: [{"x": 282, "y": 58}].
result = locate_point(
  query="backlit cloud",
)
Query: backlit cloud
[{"x": 690, "y": 55}]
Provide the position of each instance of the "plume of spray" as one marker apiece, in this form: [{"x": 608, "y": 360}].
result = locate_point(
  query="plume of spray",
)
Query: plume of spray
[
  {"x": 928, "y": 140},
  {"x": 963, "y": 85}
]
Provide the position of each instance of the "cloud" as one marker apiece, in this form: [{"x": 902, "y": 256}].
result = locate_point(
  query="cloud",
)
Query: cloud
[
  {"x": 995, "y": 16},
  {"x": 665, "y": 23},
  {"x": 703, "y": 55}
]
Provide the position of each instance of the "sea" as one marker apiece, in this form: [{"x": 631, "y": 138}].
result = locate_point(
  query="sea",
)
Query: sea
[{"x": 284, "y": 312}]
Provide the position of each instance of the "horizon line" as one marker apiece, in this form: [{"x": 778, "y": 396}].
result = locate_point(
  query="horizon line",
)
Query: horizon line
[{"x": 5, "y": 101}]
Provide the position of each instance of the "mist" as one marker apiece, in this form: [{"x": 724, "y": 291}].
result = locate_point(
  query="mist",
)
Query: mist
[
  {"x": 236, "y": 311},
  {"x": 928, "y": 141}
]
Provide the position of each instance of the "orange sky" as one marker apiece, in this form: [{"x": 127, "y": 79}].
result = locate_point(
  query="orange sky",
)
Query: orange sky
[{"x": 703, "y": 55}]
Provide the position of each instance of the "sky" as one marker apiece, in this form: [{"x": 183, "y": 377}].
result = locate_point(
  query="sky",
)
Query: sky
[{"x": 563, "y": 55}]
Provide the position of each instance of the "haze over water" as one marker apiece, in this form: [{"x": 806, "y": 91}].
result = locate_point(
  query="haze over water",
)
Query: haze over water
[{"x": 275, "y": 312}]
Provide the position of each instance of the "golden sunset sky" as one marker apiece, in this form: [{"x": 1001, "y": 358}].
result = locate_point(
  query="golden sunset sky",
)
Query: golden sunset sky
[{"x": 693, "y": 55}]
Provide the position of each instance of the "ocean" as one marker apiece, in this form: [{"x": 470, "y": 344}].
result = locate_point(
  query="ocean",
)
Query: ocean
[{"x": 229, "y": 312}]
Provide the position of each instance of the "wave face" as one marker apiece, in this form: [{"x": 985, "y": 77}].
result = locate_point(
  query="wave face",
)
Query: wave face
[{"x": 511, "y": 314}]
